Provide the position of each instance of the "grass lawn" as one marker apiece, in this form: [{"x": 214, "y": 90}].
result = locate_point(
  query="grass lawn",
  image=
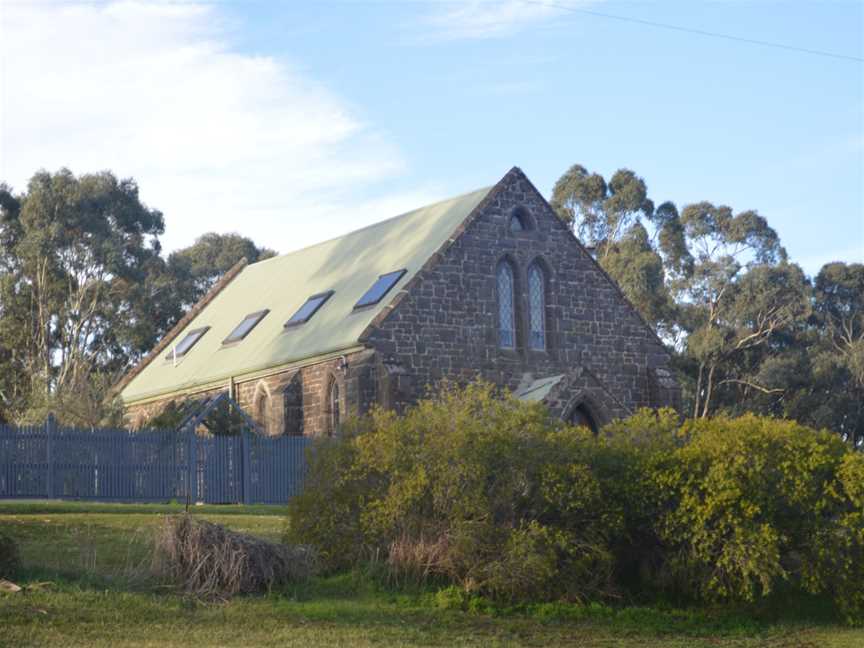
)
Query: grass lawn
[{"x": 87, "y": 586}]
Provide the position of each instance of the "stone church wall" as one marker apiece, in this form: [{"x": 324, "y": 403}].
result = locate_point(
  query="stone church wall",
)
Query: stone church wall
[{"x": 446, "y": 325}]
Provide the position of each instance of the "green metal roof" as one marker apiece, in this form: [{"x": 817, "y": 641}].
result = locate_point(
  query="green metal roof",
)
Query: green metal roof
[{"x": 348, "y": 265}]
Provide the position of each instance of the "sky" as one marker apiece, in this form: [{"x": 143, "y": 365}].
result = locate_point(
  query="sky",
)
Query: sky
[{"x": 294, "y": 122}]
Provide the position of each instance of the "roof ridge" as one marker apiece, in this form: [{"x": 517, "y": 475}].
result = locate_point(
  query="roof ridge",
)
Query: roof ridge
[{"x": 376, "y": 224}]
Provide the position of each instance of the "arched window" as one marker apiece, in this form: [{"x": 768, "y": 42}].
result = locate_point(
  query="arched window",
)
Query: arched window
[
  {"x": 506, "y": 307},
  {"x": 262, "y": 410},
  {"x": 581, "y": 417},
  {"x": 520, "y": 220},
  {"x": 537, "y": 306},
  {"x": 333, "y": 407},
  {"x": 292, "y": 408}
]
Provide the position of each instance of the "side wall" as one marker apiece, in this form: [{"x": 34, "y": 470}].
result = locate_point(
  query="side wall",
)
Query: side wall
[
  {"x": 262, "y": 398},
  {"x": 446, "y": 324}
]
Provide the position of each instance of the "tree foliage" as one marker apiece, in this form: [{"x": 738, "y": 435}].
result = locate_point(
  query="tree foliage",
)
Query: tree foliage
[
  {"x": 749, "y": 331},
  {"x": 610, "y": 219},
  {"x": 74, "y": 251},
  {"x": 200, "y": 265},
  {"x": 85, "y": 292}
]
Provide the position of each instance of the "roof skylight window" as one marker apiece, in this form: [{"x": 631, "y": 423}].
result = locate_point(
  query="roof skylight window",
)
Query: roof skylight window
[
  {"x": 245, "y": 327},
  {"x": 380, "y": 288},
  {"x": 307, "y": 310},
  {"x": 187, "y": 343}
]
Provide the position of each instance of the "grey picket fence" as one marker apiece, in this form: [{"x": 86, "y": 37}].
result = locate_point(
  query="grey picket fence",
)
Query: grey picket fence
[{"x": 117, "y": 465}]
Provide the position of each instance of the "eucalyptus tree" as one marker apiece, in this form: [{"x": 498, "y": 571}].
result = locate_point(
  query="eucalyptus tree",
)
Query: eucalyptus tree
[
  {"x": 735, "y": 292},
  {"x": 838, "y": 359},
  {"x": 196, "y": 268},
  {"x": 715, "y": 284},
  {"x": 77, "y": 254},
  {"x": 612, "y": 219}
]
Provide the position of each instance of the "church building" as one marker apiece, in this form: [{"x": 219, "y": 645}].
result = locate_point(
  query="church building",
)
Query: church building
[{"x": 490, "y": 284}]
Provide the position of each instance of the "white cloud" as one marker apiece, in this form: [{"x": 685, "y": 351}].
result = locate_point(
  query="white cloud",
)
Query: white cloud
[
  {"x": 478, "y": 19},
  {"x": 217, "y": 139}
]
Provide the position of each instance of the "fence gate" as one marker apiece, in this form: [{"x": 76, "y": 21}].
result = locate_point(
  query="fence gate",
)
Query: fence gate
[{"x": 219, "y": 469}]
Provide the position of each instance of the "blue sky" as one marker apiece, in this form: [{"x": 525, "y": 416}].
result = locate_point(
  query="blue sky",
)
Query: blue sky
[{"x": 293, "y": 122}]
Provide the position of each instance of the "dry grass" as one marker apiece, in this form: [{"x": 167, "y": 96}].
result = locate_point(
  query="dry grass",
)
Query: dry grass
[
  {"x": 209, "y": 561},
  {"x": 415, "y": 560}
]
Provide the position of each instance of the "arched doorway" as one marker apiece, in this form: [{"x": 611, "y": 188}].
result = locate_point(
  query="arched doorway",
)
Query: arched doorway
[{"x": 581, "y": 416}]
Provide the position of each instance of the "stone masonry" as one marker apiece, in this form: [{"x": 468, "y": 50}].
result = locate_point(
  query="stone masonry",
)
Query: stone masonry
[
  {"x": 443, "y": 324},
  {"x": 446, "y": 325}
]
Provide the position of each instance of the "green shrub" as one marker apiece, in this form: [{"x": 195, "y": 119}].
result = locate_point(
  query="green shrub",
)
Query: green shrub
[
  {"x": 476, "y": 488},
  {"x": 755, "y": 504},
  {"x": 494, "y": 496},
  {"x": 327, "y": 514},
  {"x": 10, "y": 561},
  {"x": 838, "y": 565}
]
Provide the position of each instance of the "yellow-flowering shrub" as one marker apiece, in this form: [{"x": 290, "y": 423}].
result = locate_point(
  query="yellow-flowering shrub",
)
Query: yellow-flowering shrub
[
  {"x": 482, "y": 490},
  {"x": 477, "y": 489},
  {"x": 753, "y": 503}
]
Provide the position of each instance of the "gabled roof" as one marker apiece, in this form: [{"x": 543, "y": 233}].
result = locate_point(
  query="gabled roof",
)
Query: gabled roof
[{"x": 348, "y": 265}]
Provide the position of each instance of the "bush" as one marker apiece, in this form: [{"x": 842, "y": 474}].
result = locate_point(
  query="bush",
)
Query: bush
[
  {"x": 209, "y": 561},
  {"x": 473, "y": 487},
  {"x": 494, "y": 496},
  {"x": 753, "y": 505},
  {"x": 10, "y": 561}
]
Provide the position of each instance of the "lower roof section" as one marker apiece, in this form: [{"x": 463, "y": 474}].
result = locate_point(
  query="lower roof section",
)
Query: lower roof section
[{"x": 537, "y": 390}]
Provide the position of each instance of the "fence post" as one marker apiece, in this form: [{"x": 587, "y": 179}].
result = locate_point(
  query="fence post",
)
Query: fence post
[
  {"x": 192, "y": 469},
  {"x": 50, "y": 430},
  {"x": 247, "y": 476}
]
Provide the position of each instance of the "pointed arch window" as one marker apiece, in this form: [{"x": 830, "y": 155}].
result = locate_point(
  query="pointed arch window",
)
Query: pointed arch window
[
  {"x": 262, "y": 411},
  {"x": 506, "y": 306},
  {"x": 537, "y": 306},
  {"x": 333, "y": 407},
  {"x": 292, "y": 408}
]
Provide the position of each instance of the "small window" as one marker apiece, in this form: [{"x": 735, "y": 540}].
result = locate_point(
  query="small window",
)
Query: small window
[
  {"x": 308, "y": 309},
  {"x": 520, "y": 220},
  {"x": 245, "y": 327},
  {"x": 380, "y": 288},
  {"x": 334, "y": 407},
  {"x": 187, "y": 343}
]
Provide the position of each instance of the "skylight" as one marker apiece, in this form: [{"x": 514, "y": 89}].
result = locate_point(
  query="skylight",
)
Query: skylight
[
  {"x": 187, "y": 343},
  {"x": 243, "y": 328},
  {"x": 380, "y": 288},
  {"x": 308, "y": 309}
]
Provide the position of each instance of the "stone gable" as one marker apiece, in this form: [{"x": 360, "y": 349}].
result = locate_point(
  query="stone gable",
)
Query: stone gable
[{"x": 446, "y": 325}]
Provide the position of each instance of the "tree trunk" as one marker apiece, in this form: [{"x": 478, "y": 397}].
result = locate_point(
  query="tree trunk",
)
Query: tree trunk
[
  {"x": 698, "y": 397},
  {"x": 708, "y": 391}
]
